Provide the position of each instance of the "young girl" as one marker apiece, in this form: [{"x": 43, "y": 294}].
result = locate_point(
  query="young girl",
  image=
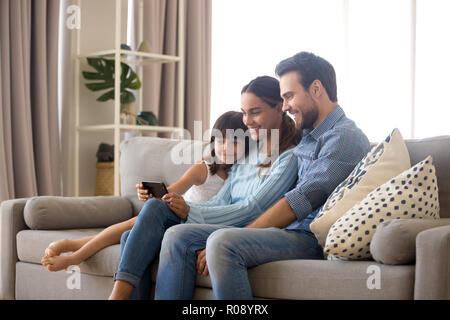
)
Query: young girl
[{"x": 198, "y": 184}]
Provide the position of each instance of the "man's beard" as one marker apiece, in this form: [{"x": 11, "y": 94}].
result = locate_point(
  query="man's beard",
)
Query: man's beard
[{"x": 309, "y": 118}]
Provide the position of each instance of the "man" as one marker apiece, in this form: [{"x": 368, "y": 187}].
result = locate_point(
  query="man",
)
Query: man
[{"x": 331, "y": 147}]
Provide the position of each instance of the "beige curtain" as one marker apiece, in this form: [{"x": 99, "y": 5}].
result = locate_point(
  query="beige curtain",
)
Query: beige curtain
[
  {"x": 159, "y": 81},
  {"x": 29, "y": 134}
]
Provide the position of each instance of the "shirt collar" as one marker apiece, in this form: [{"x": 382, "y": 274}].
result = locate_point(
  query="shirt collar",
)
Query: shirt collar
[{"x": 326, "y": 124}]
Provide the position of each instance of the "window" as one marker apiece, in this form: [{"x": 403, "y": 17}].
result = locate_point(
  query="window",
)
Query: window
[{"x": 390, "y": 62}]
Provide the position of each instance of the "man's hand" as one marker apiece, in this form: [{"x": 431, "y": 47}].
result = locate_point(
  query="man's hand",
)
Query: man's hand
[
  {"x": 202, "y": 267},
  {"x": 177, "y": 204}
]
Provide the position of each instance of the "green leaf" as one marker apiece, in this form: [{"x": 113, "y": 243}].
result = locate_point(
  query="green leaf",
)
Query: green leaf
[
  {"x": 100, "y": 86},
  {"x": 92, "y": 75},
  {"x": 107, "y": 96},
  {"x": 105, "y": 79}
]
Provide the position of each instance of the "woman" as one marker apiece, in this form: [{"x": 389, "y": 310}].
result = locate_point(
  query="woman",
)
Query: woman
[{"x": 250, "y": 189}]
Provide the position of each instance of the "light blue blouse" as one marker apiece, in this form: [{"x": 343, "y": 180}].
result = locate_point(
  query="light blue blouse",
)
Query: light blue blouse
[{"x": 245, "y": 195}]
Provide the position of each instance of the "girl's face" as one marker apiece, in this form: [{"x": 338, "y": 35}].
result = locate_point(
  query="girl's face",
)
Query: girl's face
[
  {"x": 228, "y": 151},
  {"x": 259, "y": 115}
]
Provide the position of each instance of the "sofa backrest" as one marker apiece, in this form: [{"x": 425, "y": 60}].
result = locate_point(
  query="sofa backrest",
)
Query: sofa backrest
[
  {"x": 439, "y": 149},
  {"x": 149, "y": 158}
]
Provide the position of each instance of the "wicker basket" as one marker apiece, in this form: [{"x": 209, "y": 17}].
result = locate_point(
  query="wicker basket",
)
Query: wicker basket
[{"x": 104, "y": 183}]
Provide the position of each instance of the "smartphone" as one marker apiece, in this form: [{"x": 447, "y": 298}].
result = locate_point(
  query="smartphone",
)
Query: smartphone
[{"x": 157, "y": 188}]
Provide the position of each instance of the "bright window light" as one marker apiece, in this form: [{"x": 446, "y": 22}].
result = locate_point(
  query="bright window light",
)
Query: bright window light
[{"x": 370, "y": 43}]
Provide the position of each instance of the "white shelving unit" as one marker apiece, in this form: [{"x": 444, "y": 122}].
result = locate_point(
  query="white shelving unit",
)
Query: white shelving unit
[{"x": 140, "y": 60}]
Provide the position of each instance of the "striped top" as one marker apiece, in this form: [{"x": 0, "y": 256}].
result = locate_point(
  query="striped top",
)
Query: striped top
[
  {"x": 326, "y": 156},
  {"x": 245, "y": 195}
]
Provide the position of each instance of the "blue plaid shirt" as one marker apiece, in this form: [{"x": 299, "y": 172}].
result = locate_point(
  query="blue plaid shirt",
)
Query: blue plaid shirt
[{"x": 326, "y": 156}]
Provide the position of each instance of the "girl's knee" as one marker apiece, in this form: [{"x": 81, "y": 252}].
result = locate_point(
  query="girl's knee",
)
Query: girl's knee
[{"x": 153, "y": 208}]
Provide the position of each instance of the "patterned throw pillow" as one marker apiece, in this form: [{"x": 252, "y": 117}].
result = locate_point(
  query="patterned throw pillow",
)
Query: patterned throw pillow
[
  {"x": 386, "y": 160},
  {"x": 412, "y": 194}
]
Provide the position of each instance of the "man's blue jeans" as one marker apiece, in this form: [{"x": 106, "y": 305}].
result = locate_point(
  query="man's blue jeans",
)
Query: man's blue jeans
[
  {"x": 140, "y": 245},
  {"x": 229, "y": 252}
]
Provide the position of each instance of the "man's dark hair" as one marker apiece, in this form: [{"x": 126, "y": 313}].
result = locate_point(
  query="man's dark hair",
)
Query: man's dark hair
[{"x": 310, "y": 67}]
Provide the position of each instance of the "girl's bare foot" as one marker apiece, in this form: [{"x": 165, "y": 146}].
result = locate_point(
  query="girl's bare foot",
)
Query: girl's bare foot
[
  {"x": 57, "y": 247},
  {"x": 56, "y": 263}
]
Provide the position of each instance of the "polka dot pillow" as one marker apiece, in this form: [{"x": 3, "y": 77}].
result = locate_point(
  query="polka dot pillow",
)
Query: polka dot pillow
[
  {"x": 386, "y": 160},
  {"x": 412, "y": 194}
]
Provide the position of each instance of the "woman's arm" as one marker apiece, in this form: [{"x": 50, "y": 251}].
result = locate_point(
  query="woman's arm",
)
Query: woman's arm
[
  {"x": 280, "y": 179},
  {"x": 195, "y": 175}
]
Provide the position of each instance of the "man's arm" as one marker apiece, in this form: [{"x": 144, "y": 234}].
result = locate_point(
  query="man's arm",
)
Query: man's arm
[
  {"x": 280, "y": 215},
  {"x": 338, "y": 156}
]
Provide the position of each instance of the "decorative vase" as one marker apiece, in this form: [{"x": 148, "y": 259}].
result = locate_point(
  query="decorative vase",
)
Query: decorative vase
[{"x": 128, "y": 113}]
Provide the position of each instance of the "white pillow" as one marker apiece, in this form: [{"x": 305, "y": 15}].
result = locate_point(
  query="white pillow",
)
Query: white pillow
[
  {"x": 386, "y": 160},
  {"x": 412, "y": 194}
]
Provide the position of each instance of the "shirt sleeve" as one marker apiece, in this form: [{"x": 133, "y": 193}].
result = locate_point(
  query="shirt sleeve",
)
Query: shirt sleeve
[
  {"x": 281, "y": 178},
  {"x": 340, "y": 152}
]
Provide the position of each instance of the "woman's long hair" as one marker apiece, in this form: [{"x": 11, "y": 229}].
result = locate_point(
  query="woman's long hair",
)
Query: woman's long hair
[
  {"x": 228, "y": 120},
  {"x": 268, "y": 90}
]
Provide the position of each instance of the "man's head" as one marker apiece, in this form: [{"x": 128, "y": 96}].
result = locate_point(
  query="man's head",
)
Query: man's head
[{"x": 308, "y": 88}]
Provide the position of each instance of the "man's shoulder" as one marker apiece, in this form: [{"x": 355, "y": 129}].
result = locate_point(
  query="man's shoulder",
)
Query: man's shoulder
[
  {"x": 345, "y": 130},
  {"x": 345, "y": 138}
]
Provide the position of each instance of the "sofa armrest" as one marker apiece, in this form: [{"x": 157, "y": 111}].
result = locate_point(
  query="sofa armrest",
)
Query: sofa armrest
[
  {"x": 54, "y": 212},
  {"x": 11, "y": 222},
  {"x": 394, "y": 241},
  {"x": 432, "y": 279}
]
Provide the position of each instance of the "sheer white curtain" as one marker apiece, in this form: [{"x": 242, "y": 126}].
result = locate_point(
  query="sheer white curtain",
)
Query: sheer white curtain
[{"x": 390, "y": 63}]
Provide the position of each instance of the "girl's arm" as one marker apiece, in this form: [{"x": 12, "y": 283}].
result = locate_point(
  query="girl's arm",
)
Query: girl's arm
[{"x": 195, "y": 175}]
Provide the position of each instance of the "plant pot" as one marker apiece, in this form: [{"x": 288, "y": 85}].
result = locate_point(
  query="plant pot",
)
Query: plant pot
[{"x": 128, "y": 113}]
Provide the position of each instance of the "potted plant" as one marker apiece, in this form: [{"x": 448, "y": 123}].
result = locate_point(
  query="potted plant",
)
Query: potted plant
[{"x": 104, "y": 79}]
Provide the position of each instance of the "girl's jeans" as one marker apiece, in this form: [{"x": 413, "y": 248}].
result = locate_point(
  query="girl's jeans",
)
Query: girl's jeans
[{"x": 140, "y": 245}]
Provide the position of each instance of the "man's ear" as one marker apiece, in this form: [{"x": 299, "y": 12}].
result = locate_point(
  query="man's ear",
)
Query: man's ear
[{"x": 315, "y": 88}]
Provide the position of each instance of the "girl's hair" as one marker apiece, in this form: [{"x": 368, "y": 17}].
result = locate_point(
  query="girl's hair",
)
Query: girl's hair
[
  {"x": 268, "y": 90},
  {"x": 228, "y": 120}
]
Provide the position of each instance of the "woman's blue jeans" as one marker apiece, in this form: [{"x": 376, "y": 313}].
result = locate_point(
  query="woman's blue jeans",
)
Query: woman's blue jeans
[
  {"x": 140, "y": 245},
  {"x": 229, "y": 252}
]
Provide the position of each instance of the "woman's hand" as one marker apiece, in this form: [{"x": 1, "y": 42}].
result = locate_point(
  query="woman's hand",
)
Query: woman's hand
[
  {"x": 177, "y": 204},
  {"x": 202, "y": 266},
  {"x": 142, "y": 193}
]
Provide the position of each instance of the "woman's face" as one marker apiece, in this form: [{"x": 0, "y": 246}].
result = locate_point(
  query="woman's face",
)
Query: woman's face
[
  {"x": 259, "y": 115},
  {"x": 228, "y": 151}
]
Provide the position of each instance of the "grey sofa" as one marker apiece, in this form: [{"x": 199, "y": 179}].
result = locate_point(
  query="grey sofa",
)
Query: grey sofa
[{"x": 27, "y": 226}]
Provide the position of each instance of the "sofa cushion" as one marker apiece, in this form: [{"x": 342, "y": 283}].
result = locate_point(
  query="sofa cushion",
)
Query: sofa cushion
[
  {"x": 412, "y": 194},
  {"x": 386, "y": 160},
  {"x": 31, "y": 245},
  {"x": 52, "y": 212},
  {"x": 394, "y": 241}
]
